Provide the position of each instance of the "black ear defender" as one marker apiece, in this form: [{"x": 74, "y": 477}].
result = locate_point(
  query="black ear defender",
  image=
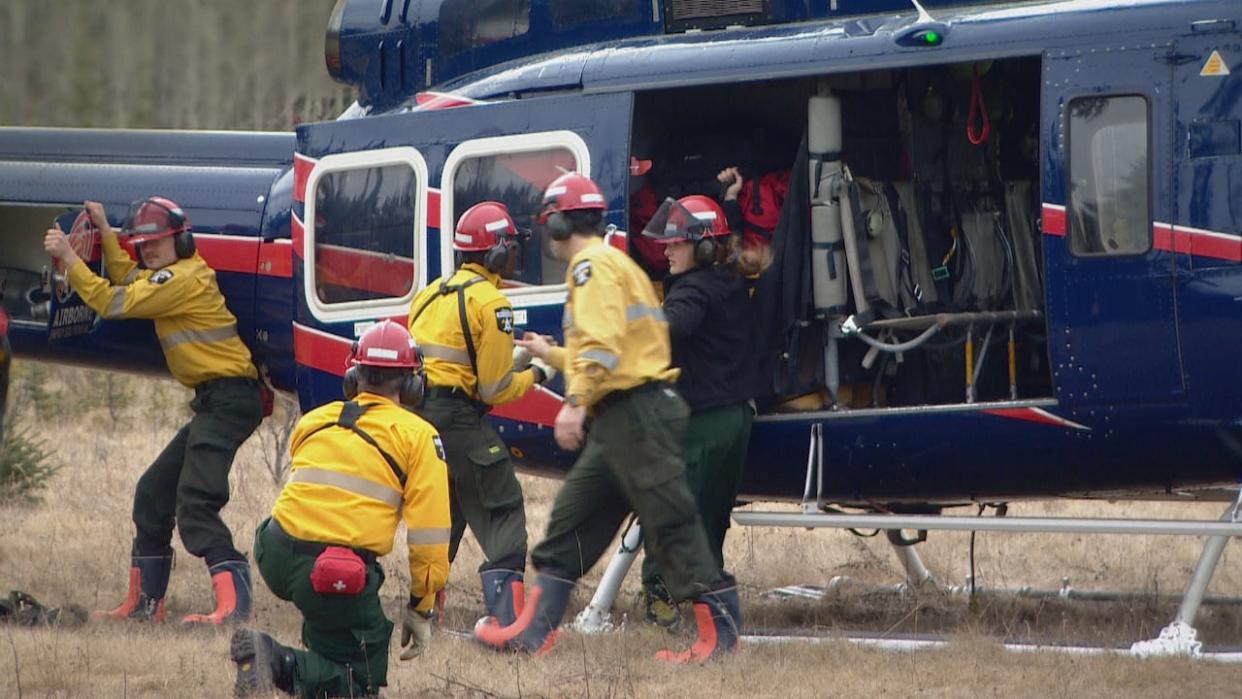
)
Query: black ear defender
[
  {"x": 349, "y": 383},
  {"x": 704, "y": 251},
  {"x": 411, "y": 393},
  {"x": 558, "y": 226},
  {"x": 496, "y": 260}
]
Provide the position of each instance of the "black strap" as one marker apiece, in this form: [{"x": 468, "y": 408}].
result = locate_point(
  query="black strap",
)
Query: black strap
[
  {"x": 350, "y": 412},
  {"x": 459, "y": 289},
  {"x": 904, "y": 272},
  {"x": 862, "y": 237}
]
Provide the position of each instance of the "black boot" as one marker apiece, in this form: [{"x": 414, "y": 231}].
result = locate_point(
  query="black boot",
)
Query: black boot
[
  {"x": 148, "y": 583},
  {"x": 719, "y": 617},
  {"x": 535, "y": 629},
  {"x": 262, "y": 664},
  {"x": 503, "y": 594}
]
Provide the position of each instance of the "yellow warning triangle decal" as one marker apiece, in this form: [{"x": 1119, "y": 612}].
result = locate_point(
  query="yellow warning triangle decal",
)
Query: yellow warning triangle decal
[{"x": 1215, "y": 65}]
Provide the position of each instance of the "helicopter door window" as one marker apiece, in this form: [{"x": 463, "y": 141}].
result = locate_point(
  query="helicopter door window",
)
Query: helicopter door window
[
  {"x": 362, "y": 217},
  {"x": 1109, "y": 176},
  {"x": 513, "y": 170}
]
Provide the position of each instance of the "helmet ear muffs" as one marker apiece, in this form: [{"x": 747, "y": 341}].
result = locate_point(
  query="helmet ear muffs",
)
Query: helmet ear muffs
[
  {"x": 412, "y": 388},
  {"x": 704, "y": 252},
  {"x": 558, "y": 226},
  {"x": 349, "y": 384},
  {"x": 496, "y": 260},
  {"x": 183, "y": 243}
]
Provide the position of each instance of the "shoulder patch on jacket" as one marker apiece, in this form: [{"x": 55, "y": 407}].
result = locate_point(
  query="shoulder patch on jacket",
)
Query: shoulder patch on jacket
[
  {"x": 582, "y": 272},
  {"x": 504, "y": 320},
  {"x": 435, "y": 439},
  {"x": 161, "y": 276}
]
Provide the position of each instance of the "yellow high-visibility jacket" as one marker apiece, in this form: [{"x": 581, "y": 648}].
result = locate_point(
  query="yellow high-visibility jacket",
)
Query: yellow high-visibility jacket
[
  {"x": 615, "y": 334},
  {"x": 196, "y": 330},
  {"x": 342, "y": 491},
  {"x": 438, "y": 331}
]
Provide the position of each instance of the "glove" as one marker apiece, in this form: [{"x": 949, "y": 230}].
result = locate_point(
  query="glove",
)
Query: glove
[
  {"x": 548, "y": 372},
  {"x": 415, "y": 632},
  {"x": 521, "y": 358}
]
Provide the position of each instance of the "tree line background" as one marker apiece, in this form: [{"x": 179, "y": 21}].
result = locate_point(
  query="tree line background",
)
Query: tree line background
[
  {"x": 162, "y": 64},
  {"x": 184, "y": 64}
]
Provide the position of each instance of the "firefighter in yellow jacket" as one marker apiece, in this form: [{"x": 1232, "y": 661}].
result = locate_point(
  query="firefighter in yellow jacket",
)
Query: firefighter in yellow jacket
[
  {"x": 188, "y": 483},
  {"x": 617, "y": 364},
  {"x": 360, "y": 467},
  {"x": 465, "y": 328}
]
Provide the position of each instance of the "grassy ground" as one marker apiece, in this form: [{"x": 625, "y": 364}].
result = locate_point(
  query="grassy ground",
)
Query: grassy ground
[{"x": 73, "y": 547}]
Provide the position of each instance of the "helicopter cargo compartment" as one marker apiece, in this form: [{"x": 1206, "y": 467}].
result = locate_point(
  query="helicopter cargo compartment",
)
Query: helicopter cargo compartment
[{"x": 897, "y": 215}]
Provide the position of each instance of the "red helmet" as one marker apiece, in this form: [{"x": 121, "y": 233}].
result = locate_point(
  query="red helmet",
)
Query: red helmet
[
  {"x": 572, "y": 191},
  {"x": 154, "y": 218},
  {"x": 386, "y": 344},
  {"x": 693, "y": 217},
  {"x": 481, "y": 227},
  {"x": 4, "y": 323}
]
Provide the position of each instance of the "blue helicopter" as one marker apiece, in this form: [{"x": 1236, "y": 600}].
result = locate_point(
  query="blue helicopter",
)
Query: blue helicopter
[{"x": 1005, "y": 239}]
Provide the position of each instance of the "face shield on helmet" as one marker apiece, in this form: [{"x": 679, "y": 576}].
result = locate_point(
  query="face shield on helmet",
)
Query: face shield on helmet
[
  {"x": 154, "y": 218},
  {"x": 686, "y": 219}
]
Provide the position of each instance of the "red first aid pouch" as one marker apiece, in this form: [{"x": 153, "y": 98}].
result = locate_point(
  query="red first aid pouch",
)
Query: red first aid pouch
[{"x": 338, "y": 571}]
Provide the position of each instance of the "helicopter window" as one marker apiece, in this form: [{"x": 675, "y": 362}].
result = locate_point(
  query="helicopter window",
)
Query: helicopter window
[
  {"x": 361, "y": 217},
  {"x": 471, "y": 24},
  {"x": 569, "y": 13},
  {"x": 1109, "y": 176},
  {"x": 514, "y": 170}
]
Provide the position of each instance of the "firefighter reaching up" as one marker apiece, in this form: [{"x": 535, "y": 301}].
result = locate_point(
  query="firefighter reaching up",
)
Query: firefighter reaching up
[
  {"x": 360, "y": 468},
  {"x": 188, "y": 483},
  {"x": 618, "y": 369},
  {"x": 465, "y": 327}
]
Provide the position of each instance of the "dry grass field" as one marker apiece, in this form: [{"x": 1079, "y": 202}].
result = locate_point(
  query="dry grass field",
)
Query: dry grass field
[{"x": 72, "y": 548}]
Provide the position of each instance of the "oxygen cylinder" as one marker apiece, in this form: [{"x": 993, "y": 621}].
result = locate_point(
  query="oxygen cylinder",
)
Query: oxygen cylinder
[{"x": 828, "y": 268}]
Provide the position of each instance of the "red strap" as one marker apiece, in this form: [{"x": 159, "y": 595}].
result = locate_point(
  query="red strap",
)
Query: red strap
[{"x": 979, "y": 111}]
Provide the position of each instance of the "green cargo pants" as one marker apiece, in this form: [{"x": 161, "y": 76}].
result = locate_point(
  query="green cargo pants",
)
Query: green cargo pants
[
  {"x": 631, "y": 462},
  {"x": 188, "y": 484},
  {"x": 484, "y": 492},
  {"x": 715, "y": 453},
  {"x": 346, "y": 636}
]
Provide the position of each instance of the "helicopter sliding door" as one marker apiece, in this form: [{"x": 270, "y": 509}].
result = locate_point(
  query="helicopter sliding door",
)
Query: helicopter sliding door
[
  {"x": 1111, "y": 276},
  {"x": 376, "y": 199}
]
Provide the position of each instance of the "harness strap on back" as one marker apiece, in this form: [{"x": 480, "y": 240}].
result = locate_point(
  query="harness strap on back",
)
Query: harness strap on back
[
  {"x": 348, "y": 419},
  {"x": 460, "y": 290}
]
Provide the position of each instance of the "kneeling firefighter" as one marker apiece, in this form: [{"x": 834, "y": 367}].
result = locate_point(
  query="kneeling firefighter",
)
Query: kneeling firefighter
[
  {"x": 360, "y": 467},
  {"x": 465, "y": 327},
  {"x": 710, "y": 324}
]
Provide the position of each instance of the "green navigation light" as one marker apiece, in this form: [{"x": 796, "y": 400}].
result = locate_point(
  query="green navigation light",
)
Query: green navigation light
[{"x": 931, "y": 38}]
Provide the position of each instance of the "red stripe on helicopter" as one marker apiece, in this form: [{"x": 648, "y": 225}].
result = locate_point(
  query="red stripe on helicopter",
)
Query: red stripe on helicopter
[
  {"x": 1182, "y": 240},
  {"x": 329, "y": 353},
  {"x": 229, "y": 253},
  {"x": 302, "y": 167},
  {"x": 298, "y": 235},
  {"x": 276, "y": 259},
  {"x": 1036, "y": 415}
]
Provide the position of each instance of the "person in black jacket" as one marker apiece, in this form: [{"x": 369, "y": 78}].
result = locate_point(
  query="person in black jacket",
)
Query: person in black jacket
[{"x": 707, "y": 305}]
